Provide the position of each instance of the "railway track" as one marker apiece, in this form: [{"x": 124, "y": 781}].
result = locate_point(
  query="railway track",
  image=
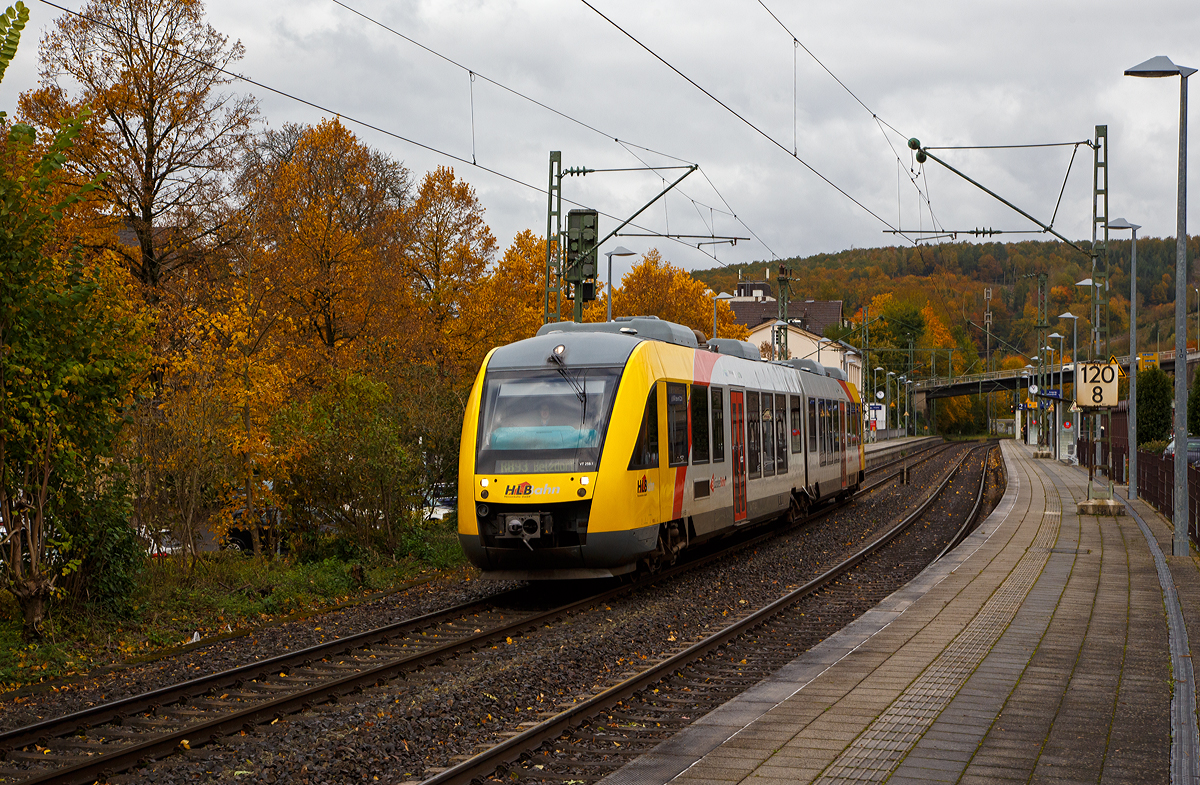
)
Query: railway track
[
  {"x": 99, "y": 742},
  {"x": 602, "y": 733}
]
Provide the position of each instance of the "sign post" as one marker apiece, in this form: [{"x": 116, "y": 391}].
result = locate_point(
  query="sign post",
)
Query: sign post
[{"x": 1095, "y": 391}]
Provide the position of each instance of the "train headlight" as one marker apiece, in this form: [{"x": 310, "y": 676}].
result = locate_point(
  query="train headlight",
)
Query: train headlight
[
  {"x": 560, "y": 349},
  {"x": 481, "y": 510}
]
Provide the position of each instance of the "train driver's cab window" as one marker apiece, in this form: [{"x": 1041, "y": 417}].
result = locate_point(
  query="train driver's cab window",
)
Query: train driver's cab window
[
  {"x": 812, "y": 424},
  {"x": 718, "y": 425},
  {"x": 677, "y": 417},
  {"x": 645, "y": 449},
  {"x": 753, "y": 436},
  {"x": 699, "y": 404},
  {"x": 781, "y": 434},
  {"x": 768, "y": 435}
]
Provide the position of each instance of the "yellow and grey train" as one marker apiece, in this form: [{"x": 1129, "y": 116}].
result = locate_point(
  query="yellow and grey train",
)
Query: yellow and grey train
[{"x": 592, "y": 449}]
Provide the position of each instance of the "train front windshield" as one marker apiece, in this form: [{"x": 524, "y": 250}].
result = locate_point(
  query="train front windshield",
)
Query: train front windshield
[{"x": 537, "y": 422}]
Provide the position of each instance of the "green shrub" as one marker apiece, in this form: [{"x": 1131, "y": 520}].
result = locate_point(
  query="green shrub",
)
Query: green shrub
[{"x": 111, "y": 556}]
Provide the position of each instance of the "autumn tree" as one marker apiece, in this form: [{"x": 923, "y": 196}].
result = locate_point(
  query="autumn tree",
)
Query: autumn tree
[
  {"x": 508, "y": 305},
  {"x": 325, "y": 220},
  {"x": 164, "y": 130},
  {"x": 655, "y": 287},
  {"x": 450, "y": 250},
  {"x": 69, "y": 355}
]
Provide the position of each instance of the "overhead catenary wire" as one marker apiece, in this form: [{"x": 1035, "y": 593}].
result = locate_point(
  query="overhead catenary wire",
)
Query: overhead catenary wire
[
  {"x": 622, "y": 142},
  {"x": 356, "y": 121},
  {"x": 742, "y": 117},
  {"x": 884, "y": 126}
]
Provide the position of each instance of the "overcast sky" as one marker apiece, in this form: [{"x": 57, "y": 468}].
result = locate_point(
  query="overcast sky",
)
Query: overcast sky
[{"x": 949, "y": 73}]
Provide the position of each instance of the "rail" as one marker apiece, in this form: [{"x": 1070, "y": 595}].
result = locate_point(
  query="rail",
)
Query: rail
[{"x": 513, "y": 748}]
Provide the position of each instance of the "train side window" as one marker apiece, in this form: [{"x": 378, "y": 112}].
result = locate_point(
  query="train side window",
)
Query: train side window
[
  {"x": 826, "y": 432},
  {"x": 797, "y": 426},
  {"x": 718, "y": 425},
  {"x": 781, "y": 434},
  {"x": 677, "y": 431},
  {"x": 812, "y": 424},
  {"x": 645, "y": 449},
  {"x": 699, "y": 404},
  {"x": 768, "y": 435},
  {"x": 753, "y": 434}
]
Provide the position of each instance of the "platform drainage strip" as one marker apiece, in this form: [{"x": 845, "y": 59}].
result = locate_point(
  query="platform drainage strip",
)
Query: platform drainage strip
[{"x": 880, "y": 748}]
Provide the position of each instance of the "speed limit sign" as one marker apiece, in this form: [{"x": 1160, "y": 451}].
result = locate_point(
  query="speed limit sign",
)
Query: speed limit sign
[{"x": 1096, "y": 385}]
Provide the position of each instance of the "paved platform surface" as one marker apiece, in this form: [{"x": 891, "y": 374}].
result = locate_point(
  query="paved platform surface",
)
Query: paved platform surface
[{"x": 1040, "y": 650}]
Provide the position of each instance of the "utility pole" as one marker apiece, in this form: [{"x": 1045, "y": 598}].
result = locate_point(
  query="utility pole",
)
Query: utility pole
[
  {"x": 553, "y": 231},
  {"x": 987, "y": 354},
  {"x": 571, "y": 254},
  {"x": 785, "y": 291},
  {"x": 908, "y": 386},
  {"x": 1100, "y": 285}
]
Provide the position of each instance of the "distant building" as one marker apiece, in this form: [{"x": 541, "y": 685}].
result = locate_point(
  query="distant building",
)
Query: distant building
[{"x": 804, "y": 344}]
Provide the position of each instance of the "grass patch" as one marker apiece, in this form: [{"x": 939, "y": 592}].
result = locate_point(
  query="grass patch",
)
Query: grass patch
[{"x": 223, "y": 594}]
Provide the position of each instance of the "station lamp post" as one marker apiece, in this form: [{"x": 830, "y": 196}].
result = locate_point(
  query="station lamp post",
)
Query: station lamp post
[
  {"x": 887, "y": 401},
  {"x": 723, "y": 296},
  {"x": 875, "y": 394},
  {"x": 1162, "y": 66},
  {"x": 621, "y": 250},
  {"x": 1121, "y": 223}
]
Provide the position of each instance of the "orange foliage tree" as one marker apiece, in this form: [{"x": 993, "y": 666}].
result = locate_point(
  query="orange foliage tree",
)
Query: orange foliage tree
[
  {"x": 448, "y": 254},
  {"x": 325, "y": 225},
  {"x": 163, "y": 131}
]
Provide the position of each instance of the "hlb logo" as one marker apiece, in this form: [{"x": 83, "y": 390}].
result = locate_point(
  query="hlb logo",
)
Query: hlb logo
[
  {"x": 525, "y": 489},
  {"x": 642, "y": 486}
]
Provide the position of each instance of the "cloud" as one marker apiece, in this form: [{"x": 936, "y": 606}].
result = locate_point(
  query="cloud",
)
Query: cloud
[{"x": 947, "y": 73}]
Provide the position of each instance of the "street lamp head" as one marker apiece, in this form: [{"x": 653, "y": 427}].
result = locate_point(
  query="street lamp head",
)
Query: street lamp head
[
  {"x": 1121, "y": 223},
  {"x": 879, "y": 367},
  {"x": 891, "y": 373},
  {"x": 1067, "y": 315},
  {"x": 1084, "y": 282},
  {"x": 724, "y": 296},
  {"x": 1054, "y": 335},
  {"x": 620, "y": 250},
  {"x": 1159, "y": 66}
]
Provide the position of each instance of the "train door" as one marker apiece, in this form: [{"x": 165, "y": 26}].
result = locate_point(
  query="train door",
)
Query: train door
[
  {"x": 843, "y": 446},
  {"x": 737, "y": 415}
]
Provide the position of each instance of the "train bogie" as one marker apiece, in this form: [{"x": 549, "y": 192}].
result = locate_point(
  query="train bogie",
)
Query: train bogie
[{"x": 589, "y": 450}]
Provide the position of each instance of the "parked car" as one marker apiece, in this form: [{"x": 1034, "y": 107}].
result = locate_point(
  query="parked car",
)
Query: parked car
[
  {"x": 440, "y": 500},
  {"x": 1193, "y": 449}
]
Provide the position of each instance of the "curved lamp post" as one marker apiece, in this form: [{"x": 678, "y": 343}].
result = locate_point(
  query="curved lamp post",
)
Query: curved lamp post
[
  {"x": 621, "y": 250},
  {"x": 719, "y": 298},
  {"x": 1162, "y": 66}
]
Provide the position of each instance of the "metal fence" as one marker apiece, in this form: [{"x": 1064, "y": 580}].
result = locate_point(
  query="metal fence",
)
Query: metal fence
[{"x": 1156, "y": 486}]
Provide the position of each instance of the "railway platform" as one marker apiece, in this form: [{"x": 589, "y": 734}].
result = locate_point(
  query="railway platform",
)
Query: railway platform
[{"x": 1048, "y": 647}]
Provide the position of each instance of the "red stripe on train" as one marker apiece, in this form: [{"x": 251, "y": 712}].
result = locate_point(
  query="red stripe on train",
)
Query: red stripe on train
[{"x": 680, "y": 478}]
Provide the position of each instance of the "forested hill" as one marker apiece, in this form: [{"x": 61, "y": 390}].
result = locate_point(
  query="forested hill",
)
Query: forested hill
[{"x": 948, "y": 280}]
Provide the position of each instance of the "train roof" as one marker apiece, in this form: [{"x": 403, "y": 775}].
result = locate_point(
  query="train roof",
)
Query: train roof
[{"x": 645, "y": 327}]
